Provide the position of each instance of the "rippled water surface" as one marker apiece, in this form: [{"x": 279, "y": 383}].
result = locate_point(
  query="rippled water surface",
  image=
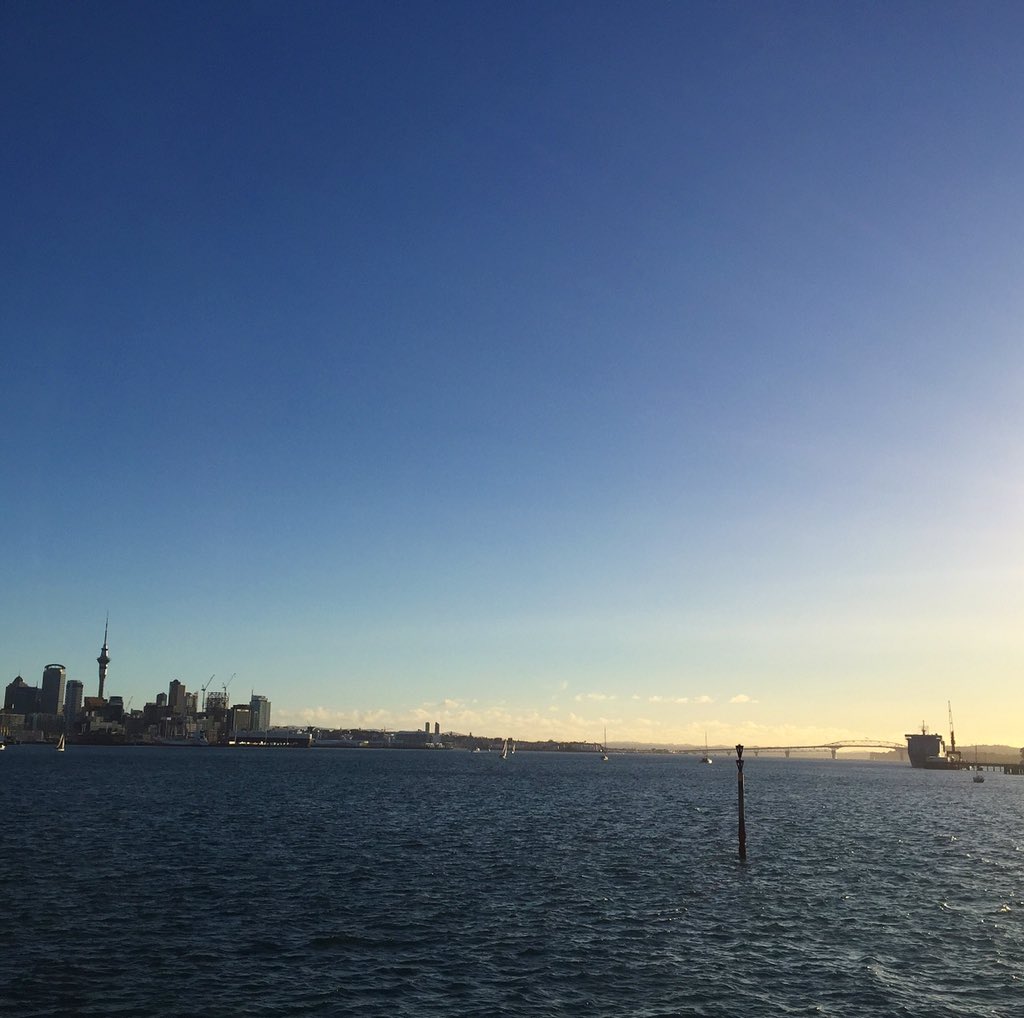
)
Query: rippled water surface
[{"x": 325, "y": 882}]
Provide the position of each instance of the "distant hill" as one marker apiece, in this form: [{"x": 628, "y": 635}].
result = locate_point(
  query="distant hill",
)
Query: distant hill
[{"x": 986, "y": 753}]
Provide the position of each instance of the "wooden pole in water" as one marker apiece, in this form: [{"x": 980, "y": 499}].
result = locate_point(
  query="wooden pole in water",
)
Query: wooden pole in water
[{"x": 739, "y": 800}]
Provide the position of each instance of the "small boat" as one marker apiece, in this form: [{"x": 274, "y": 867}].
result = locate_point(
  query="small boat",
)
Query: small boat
[
  {"x": 978, "y": 776},
  {"x": 60, "y": 744},
  {"x": 706, "y": 759},
  {"x": 504, "y": 750},
  {"x": 604, "y": 748}
]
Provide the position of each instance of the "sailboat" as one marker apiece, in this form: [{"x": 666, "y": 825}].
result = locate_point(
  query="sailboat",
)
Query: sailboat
[
  {"x": 504, "y": 750},
  {"x": 604, "y": 748},
  {"x": 978, "y": 776},
  {"x": 60, "y": 743},
  {"x": 706, "y": 759}
]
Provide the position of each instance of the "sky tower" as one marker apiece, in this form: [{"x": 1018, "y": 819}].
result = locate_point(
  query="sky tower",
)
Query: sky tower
[{"x": 104, "y": 659}]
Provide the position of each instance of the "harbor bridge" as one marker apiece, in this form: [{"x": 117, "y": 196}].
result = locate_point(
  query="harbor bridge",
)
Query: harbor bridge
[{"x": 823, "y": 747}]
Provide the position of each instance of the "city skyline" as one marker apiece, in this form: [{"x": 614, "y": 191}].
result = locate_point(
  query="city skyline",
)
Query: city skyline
[
  {"x": 60, "y": 708},
  {"x": 544, "y": 368},
  {"x": 179, "y": 694}
]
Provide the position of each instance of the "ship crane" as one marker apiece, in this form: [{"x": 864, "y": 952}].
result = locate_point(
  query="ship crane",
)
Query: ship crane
[{"x": 952, "y": 736}]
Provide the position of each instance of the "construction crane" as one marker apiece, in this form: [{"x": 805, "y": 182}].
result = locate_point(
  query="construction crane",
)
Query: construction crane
[
  {"x": 225, "y": 687},
  {"x": 204, "y": 689}
]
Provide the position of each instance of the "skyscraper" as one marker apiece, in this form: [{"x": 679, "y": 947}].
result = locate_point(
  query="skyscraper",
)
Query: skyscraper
[
  {"x": 104, "y": 659},
  {"x": 176, "y": 696},
  {"x": 259, "y": 709},
  {"x": 52, "y": 698},
  {"x": 73, "y": 694}
]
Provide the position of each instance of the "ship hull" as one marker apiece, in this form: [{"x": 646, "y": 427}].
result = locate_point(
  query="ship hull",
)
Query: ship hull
[
  {"x": 925, "y": 750},
  {"x": 929, "y": 752}
]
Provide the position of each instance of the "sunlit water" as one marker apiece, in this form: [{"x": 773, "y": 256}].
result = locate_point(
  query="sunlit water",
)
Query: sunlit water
[{"x": 291, "y": 882}]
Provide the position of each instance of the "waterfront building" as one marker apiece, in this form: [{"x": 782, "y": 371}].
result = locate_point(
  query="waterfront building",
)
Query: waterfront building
[
  {"x": 161, "y": 699},
  {"x": 259, "y": 713},
  {"x": 11, "y": 725},
  {"x": 412, "y": 740},
  {"x": 52, "y": 698}
]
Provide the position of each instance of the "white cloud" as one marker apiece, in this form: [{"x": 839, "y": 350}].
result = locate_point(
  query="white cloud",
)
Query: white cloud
[
  {"x": 741, "y": 698},
  {"x": 333, "y": 717}
]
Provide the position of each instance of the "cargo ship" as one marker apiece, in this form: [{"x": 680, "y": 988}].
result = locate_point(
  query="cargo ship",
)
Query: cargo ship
[{"x": 928, "y": 750}]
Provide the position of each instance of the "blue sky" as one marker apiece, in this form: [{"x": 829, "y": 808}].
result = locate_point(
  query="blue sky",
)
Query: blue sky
[{"x": 531, "y": 368}]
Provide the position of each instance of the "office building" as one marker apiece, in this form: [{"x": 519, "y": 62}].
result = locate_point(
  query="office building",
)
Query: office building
[
  {"x": 259, "y": 713},
  {"x": 52, "y": 698},
  {"x": 176, "y": 697},
  {"x": 74, "y": 691},
  {"x": 21, "y": 698},
  {"x": 239, "y": 718}
]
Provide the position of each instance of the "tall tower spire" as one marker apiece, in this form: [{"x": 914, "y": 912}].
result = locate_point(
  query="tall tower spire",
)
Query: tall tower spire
[{"x": 104, "y": 659}]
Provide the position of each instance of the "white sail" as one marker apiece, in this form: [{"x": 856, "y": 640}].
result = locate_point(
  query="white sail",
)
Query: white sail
[{"x": 706, "y": 758}]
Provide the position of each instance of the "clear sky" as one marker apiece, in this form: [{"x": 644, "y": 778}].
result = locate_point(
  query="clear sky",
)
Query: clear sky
[{"x": 532, "y": 368}]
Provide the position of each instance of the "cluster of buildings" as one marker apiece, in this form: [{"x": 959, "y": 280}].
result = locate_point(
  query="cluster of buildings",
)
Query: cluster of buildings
[{"x": 59, "y": 706}]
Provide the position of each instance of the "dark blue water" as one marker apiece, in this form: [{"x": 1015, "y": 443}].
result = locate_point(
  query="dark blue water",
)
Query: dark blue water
[{"x": 289, "y": 882}]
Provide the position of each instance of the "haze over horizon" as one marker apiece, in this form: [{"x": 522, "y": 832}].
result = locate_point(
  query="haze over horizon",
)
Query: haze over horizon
[{"x": 536, "y": 369}]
